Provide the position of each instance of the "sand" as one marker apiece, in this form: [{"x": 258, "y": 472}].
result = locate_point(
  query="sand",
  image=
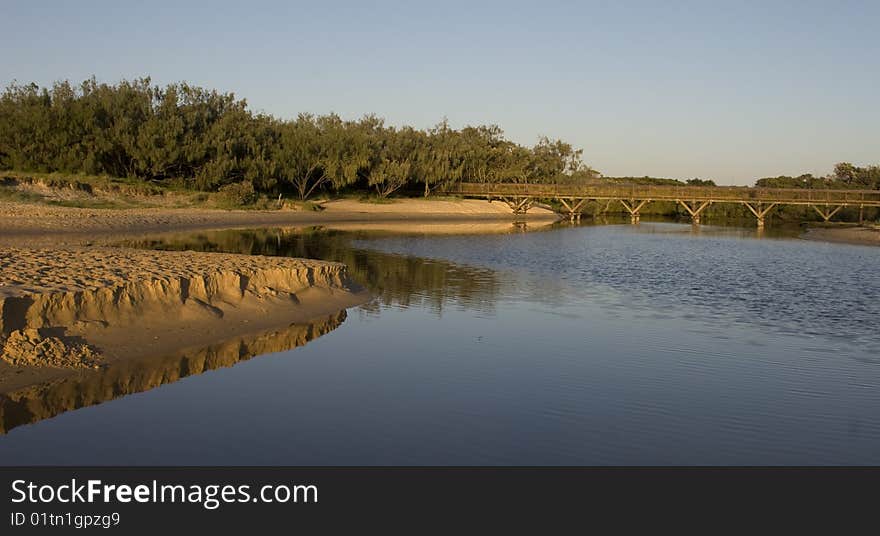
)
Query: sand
[
  {"x": 69, "y": 308},
  {"x": 868, "y": 235},
  {"x": 27, "y": 271},
  {"x": 67, "y": 303},
  {"x": 35, "y": 220},
  {"x": 433, "y": 207}
]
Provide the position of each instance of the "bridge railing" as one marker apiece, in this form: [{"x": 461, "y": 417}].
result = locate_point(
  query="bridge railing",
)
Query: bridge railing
[{"x": 670, "y": 192}]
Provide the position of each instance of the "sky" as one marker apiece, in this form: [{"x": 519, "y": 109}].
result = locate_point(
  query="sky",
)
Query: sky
[{"x": 728, "y": 90}]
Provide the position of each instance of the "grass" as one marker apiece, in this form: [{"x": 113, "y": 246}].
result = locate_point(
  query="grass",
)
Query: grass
[
  {"x": 78, "y": 181},
  {"x": 103, "y": 191},
  {"x": 78, "y": 190},
  {"x": 372, "y": 197},
  {"x": 438, "y": 197},
  {"x": 17, "y": 196},
  {"x": 97, "y": 203},
  {"x": 100, "y": 191},
  {"x": 85, "y": 200},
  {"x": 311, "y": 206},
  {"x": 223, "y": 202}
]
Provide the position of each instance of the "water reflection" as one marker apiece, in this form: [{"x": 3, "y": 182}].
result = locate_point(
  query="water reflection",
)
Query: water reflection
[
  {"x": 35, "y": 403},
  {"x": 717, "y": 276},
  {"x": 709, "y": 274},
  {"x": 395, "y": 279}
]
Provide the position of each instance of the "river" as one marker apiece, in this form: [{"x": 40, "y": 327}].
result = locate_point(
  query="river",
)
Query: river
[{"x": 592, "y": 344}]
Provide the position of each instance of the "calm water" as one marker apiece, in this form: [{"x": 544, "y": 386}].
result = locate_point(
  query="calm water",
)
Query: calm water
[{"x": 614, "y": 344}]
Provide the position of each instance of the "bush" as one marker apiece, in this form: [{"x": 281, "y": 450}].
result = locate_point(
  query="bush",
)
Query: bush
[{"x": 239, "y": 193}]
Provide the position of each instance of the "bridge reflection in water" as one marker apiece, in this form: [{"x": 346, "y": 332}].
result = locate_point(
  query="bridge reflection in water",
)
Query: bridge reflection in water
[
  {"x": 38, "y": 402},
  {"x": 694, "y": 199}
]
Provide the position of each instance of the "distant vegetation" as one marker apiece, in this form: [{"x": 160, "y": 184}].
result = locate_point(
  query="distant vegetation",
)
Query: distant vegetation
[
  {"x": 657, "y": 180},
  {"x": 146, "y": 139},
  {"x": 196, "y": 138},
  {"x": 845, "y": 176}
]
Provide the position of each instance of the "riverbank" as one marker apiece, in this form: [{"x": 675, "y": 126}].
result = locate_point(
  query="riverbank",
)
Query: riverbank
[
  {"x": 26, "y": 219},
  {"x": 68, "y": 303},
  {"x": 70, "y": 309},
  {"x": 864, "y": 235}
]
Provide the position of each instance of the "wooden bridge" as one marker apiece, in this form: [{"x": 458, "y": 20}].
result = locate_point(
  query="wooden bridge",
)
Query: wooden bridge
[{"x": 694, "y": 199}]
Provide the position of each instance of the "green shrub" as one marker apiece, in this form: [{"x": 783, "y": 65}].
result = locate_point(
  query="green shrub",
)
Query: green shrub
[{"x": 239, "y": 193}]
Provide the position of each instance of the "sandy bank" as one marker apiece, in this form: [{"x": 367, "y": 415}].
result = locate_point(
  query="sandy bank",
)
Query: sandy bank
[
  {"x": 859, "y": 235},
  {"x": 26, "y": 220},
  {"x": 438, "y": 227},
  {"x": 67, "y": 308},
  {"x": 433, "y": 207}
]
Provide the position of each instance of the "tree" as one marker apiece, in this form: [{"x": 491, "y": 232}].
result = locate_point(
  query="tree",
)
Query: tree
[
  {"x": 439, "y": 158},
  {"x": 207, "y": 139},
  {"x": 391, "y": 164},
  {"x": 850, "y": 176},
  {"x": 318, "y": 151},
  {"x": 553, "y": 158},
  {"x": 389, "y": 175}
]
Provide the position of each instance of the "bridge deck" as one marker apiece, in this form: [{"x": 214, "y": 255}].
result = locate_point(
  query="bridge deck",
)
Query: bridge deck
[{"x": 714, "y": 194}]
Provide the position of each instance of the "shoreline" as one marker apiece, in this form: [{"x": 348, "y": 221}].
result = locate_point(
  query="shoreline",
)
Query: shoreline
[
  {"x": 78, "y": 313},
  {"x": 853, "y": 234},
  {"x": 27, "y": 224},
  {"x": 25, "y": 221},
  {"x": 70, "y": 302},
  {"x": 69, "y": 309}
]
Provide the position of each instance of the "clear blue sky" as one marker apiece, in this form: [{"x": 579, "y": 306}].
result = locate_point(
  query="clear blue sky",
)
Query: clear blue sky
[{"x": 731, "y": 90}]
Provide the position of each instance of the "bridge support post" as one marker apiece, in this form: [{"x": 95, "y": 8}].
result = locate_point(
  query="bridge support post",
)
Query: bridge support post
[
  {"x": 826, "y": 213},
  {"x": 759, "y": 211},
  {"x": 519, "y": 205},
  {"x": 573, "y": 208},
  {"x": 633, "y": 207},
  {"x": 694, "y": 208}
]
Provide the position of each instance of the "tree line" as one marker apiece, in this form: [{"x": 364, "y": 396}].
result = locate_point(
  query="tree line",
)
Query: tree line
[
  {"x": 845, "y": 176},
  {"x": 203, "y": 139},
  {"x": 187, "y": 135}
]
